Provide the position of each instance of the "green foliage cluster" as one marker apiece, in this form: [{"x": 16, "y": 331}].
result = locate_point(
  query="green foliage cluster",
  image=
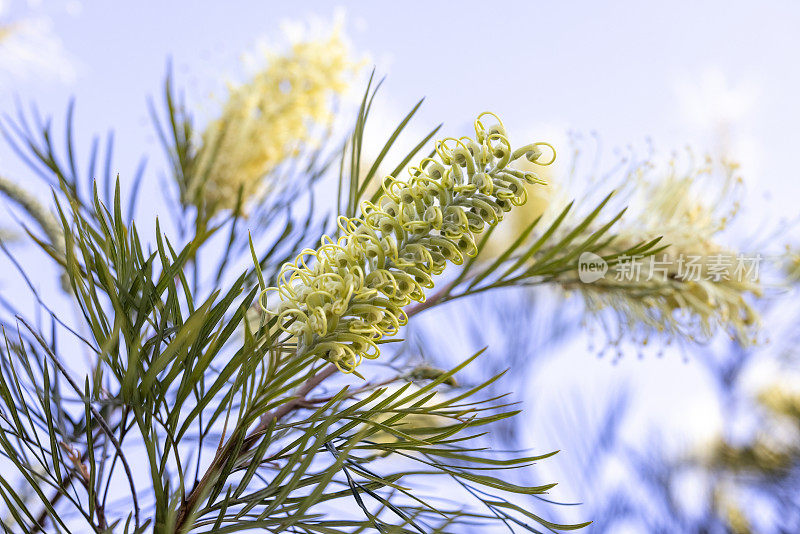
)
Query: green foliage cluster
[{"x": 192, "y": 415}]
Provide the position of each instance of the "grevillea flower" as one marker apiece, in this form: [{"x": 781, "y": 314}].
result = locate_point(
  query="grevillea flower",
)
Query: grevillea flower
[
  {"x": 676, "y": 301},
  {"x": 342, "y": 298},
  {"x": 689, "y": 203},
  {"x": 265, "y": 121}
]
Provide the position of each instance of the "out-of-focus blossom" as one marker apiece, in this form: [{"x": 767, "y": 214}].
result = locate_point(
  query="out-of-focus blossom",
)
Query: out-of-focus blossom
[
  {"x": 30, "y": 48},
  {"x": 693, "y": 288},
  {"x": 768, "y": 456},
  {"x": 6, "y": 27},
  {"x": 265, "y": 121},
  {"x": 719, "y": 111},
  {"x": 758, "y": 456},
  {"x": 731, "y": 512},
  {"x": 792, "y": 266},
  {"x": 5, "y": 31},
  {"x": 692, "y": 302},
  {"x": 781, "y": 401}
]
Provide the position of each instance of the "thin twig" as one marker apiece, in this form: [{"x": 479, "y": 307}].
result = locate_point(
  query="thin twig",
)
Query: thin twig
[
  {"x": 80, "y": 469},
  {"x": 95, "y": 414},
  {"x": 222, "y": 454},
  {"x": 431, "y": 301},
  {"x": 298, "y": 401},
  {"x": 43, "y": 515},
  {"x": 366, "y": 387}
]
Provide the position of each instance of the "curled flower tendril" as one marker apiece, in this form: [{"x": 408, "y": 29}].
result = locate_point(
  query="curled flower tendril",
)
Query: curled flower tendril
[{"x": 341, "y": 299}]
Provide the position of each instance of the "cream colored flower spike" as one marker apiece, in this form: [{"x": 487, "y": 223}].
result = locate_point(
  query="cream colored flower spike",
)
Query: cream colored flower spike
[
  {"x": 343, "y": 297},
  {"x": 266, "y": 120}
]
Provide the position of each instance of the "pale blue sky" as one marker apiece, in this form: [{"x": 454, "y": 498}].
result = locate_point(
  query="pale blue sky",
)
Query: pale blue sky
[
  {"x": 678, "y": 72},
  {"x": 626, "y": 69}
]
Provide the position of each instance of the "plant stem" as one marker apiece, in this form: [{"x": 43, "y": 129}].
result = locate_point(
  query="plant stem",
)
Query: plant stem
[
  {"x": 431, "y": 301},
  {"x": 224, "y": 452},
  {"x": 97, "y": 416},
  {"x": 298, "y": 401}
]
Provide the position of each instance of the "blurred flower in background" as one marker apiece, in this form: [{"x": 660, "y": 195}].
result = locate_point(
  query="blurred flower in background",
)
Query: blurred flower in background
[
  {"x": 268, "y": 119},
  {"x": 694, "y": 286},
  {"x": 792, "y": 265},
  {"x": 30, "y": 48}
]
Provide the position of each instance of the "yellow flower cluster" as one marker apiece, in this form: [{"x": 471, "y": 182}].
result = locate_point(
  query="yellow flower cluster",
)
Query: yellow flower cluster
[
  {"x": 5, "y": 31},
  {"x": 342, "y": 298},
  {"x": 265, "y": 121},
  {"x": 677, "y": 301},
  {"x": 689, "y": 207}
]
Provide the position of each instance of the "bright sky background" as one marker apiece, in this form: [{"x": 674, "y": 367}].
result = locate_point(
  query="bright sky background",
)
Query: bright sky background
[
  {"x": 673, "y": 71},
  {"x": 678, "y": 72}
]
